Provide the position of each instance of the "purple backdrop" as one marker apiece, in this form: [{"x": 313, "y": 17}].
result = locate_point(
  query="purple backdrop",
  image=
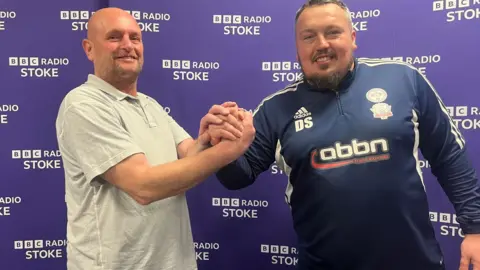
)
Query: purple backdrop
[{"x": 200, "y": 53}]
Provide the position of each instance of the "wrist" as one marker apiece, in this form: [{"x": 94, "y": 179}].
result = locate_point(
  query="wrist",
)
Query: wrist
[
  {"x": 199, "y": 146},
  {"x": 230, "y": 150},
  {"x": 196, "y": 147}
]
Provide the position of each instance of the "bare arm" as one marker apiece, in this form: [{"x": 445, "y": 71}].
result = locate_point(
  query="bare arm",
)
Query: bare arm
[
  {"x": 146, "y": 184},
  {"x": 91, "y": 133}
]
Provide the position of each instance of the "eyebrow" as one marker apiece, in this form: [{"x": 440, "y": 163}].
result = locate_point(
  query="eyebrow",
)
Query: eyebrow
[
  {"x": 117, "y": 31},
  {"x": 307, "y": 31},
  {"x": 313, "y": 30}
]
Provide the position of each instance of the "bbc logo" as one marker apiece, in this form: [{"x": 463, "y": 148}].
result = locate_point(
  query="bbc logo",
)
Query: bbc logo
[
  {"x": 227, "y": 19},
  {"x": 28, "y": 244},
  {"x": 276, "y": 66},
  {"x": 17, "y": 154},
  {"x": 226, "y": 202},
  {"x": 135, "y": 14},
  {"x": 23, "y": 61},
  {"x": 450, "y": 4},
  {"x": 274, "y": 249},
  {"x": 176, "y": 64},
  {"x": 75, "y": 15},
  {"x": 457, "y": 111},
  {"x": 443, "y": 218}
]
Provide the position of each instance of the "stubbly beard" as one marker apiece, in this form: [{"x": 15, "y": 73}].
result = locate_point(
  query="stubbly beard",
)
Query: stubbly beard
[
  {"x": 326, "y": 82},
  {"x": 120, "y": 73},
  {"x": 331, "y": 81},
  {"x": 119, "y": 77}
]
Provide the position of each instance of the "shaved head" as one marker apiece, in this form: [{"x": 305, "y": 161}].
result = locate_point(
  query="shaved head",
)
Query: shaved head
[
  {"x": 101, "y": 18},
  {"x": 114, "y": 45}
]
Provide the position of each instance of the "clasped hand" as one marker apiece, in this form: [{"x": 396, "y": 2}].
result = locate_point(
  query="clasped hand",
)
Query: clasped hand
[{"x": 229, "y": 124}]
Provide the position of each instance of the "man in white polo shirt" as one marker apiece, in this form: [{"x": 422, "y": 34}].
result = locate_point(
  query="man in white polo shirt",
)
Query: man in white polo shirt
[{"x": 128, "y": 164}]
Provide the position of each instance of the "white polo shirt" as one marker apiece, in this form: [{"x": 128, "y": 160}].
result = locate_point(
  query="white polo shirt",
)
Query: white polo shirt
[{"x": 97, "y": 127}]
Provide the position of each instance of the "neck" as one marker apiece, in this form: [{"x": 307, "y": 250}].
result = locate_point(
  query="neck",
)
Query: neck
[
  {"x": 127, "y": 85},
  {"x": 352, "y": 65}
]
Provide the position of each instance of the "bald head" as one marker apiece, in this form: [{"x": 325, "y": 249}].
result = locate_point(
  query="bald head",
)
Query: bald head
[
  {"x": 114, "y": 45},
  {"x": 105, "y": 16}
]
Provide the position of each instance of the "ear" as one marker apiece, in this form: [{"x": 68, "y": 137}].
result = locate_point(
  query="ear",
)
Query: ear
[
  {"x": 88, "y": 48},
  {"x": 354, "y": 40}
]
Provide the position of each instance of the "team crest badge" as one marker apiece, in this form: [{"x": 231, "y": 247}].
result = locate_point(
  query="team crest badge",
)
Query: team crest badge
[
  {"x": 380, "y": 109},
  {"x": 377, "y": 95}
]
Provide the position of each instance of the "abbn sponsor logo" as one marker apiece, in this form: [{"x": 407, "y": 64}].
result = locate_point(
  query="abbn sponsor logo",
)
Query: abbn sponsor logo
[
  {"x": 350, "y": 153},
  {"x": 239, "y": 208},
  {"x": 188, "y": 70},
  {"x": 458, "y": 10},
  {"x": 203, "y": 249},
  {"x": 41, "y": 249},
  {"x": 38, "y": 159},
  {"x": 283, "y": 71},
  {"x": 4, "y": 16},
  {"x": 283, "y": 255},
  {"x": 448, "y": 224},
  {"x": 37, "y": 66},
  {"x": 419, "y": 62},
  {"x": 6, "y": 110},
  {"x": 465, "y": 117},
  {"x": 6, "y": 204},
  {"x": 241, "y": 25},
  {"x": 361, "y": 18}
]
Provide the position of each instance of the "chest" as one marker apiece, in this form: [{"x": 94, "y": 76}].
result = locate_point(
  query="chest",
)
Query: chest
[
  {"x": 148, "y": 127},
  {"x": 359, "y": 122}
]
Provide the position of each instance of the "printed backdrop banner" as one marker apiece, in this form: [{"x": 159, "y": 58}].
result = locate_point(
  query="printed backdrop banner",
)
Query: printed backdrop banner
[{"x": 200, "y": 53}]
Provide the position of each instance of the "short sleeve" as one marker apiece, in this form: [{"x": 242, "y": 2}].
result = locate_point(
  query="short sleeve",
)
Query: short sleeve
[
  {"x": 92, "y": 133},
  {"x": 179, "y": 133}
]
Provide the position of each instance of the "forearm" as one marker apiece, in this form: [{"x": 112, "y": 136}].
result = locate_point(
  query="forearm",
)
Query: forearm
[
  {"x": 236, "y": 175},
  {"x": 170, "y": 179},
  {"x": 195, "y": 148}
]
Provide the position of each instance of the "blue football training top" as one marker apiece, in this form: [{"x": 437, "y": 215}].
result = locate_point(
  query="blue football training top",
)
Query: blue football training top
[{"x": 355, "y": 188}]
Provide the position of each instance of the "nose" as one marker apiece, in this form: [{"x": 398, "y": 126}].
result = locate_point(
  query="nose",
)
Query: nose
[
  {"x": 126, "y": 43},
  {"x": 322, "y": 43}
]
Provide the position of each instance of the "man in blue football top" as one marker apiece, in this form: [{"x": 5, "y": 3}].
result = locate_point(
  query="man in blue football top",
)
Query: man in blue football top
[{"x": 348, "y": 136}]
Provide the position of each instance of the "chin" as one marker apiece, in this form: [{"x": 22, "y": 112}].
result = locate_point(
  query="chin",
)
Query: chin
[{"x": 127, "y": 72}]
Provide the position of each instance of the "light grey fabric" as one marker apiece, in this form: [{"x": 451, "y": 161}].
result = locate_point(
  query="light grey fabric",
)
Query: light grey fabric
[{"x": 97, "y": 127}]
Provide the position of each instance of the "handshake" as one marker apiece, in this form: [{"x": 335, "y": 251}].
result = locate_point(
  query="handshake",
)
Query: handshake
[{"x": 227, "y": 126}]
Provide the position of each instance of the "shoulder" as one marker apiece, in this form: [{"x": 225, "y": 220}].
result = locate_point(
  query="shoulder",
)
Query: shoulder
[
  {"x": 388, "y": 68},
  {"x": 387, "y": 64},
  {"x": 85, "y": 94},
  {"x": 276, "y": 99},
  {"x": 85, "y": 102}
]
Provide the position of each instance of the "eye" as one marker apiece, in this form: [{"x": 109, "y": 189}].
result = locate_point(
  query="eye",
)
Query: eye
[{"x": 334, "y": 32}]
